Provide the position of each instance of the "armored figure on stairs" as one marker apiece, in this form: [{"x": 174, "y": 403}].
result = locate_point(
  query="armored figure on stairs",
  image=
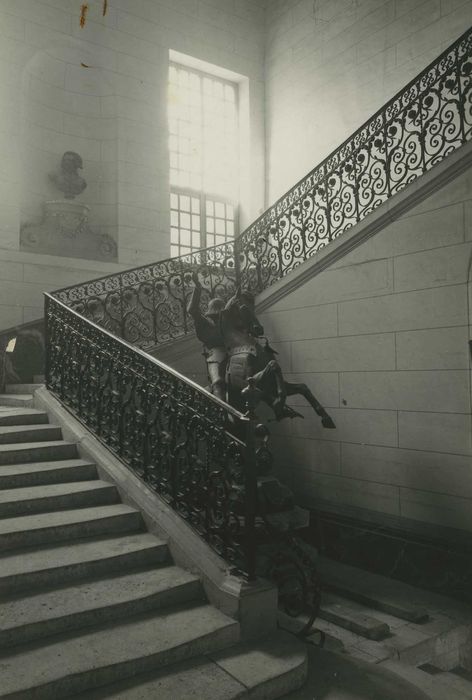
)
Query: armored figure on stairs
[
  {"x": 208, "y": 332},
  {"x": 231, "y": 336}
]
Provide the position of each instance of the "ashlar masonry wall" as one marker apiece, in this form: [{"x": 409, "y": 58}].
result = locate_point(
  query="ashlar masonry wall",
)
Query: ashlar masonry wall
[
  {"x": 382, "y": 339},
  {"x": 101, "y": 90},
  {"x": 331, "y": 64}
]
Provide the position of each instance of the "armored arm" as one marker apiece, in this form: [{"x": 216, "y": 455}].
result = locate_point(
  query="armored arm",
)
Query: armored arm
[{"x": 193, "y": 307}]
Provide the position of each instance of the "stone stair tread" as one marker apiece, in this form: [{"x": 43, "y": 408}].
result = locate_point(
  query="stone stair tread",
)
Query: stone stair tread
[
  {"x": 27, "y": 396},
  {"x": 12, "y": 447},
  {"x": 260, "y": 669},
  {"x": 30, "y": 467},
  {"x": 257, "y": 663},
  {"x": 35, "y": 492},
  {"x": 394, "y": 597},
  {"x": 453, "y": 680},
  {"x": 39, "y": 498},
  {"x": 20, "y": 434},
  {"x": 22, "y": 388},
  {"x": 339, "y": 611},
  {"x": 61, "y": 604},
  {"x": 197, "y": 678},
  {"x": 95, "y": 657},
  {"x": 431, "y": 686},
  {"x": 42, "y": 451},
  {"x": 29, "y": 523},
  {"x": 12, "y": 415},
  {"x": 8, "y": 429},
  {"x": 82, "y": 551}
]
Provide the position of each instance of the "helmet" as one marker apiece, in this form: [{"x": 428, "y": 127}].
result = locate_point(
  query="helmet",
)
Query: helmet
[{"x": 215, "y": 306}]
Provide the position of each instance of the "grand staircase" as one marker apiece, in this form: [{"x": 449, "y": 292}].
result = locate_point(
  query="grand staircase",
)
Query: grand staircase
[
  {"x": 93, "y": 607},
  {"x": 92, "y": 603}
]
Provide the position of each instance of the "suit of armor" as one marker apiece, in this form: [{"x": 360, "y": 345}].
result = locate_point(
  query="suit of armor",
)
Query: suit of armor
[{"x": 207, "y": 329}]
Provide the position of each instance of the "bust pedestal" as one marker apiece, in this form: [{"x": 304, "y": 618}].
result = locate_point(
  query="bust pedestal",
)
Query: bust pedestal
[{"x": 64, "y": 230}]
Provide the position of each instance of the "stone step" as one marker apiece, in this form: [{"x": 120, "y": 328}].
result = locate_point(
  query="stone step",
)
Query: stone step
[
  {"x": 11, "y": 434},
  {"x": 37, "y": 452},
  {"x": 22, "y": 416},
  {"x": 263, "y": 670},
  {"x": 113, "y": 652},
  {"x": 20, "y": 400},
  {"x": 41, "y": 473},
  {"x": 53, "y": 497},
  {"x": 457, "y": 683},
  {"x": 22, "y": 388},
  {"x": 61, "y": 564},
  {"x": 432, "y": 686},
  {"x": 339, "y": 611},
  {"x": 44, "y": 528},
  {"x": 89, "y": 603},
  {"x": 379, "y": 592}
]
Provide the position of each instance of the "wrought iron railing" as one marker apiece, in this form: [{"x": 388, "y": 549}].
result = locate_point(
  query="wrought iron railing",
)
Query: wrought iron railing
[
  {"x": 147, "y": 305},
  {"x": 195, "y": 451},
  {"x": 425, "y": 122}
]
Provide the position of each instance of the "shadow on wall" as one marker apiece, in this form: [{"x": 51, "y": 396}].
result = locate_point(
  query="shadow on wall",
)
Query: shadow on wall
[{"x": 68, "y": 104}]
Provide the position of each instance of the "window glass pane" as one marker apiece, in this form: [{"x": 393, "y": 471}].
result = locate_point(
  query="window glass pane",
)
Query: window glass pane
[
  {"x": 184, "y": 203},
  {"x": 219, "y": 209}
]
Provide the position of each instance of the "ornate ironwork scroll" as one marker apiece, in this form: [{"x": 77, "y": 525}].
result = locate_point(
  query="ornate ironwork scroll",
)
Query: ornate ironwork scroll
[
  {"x": 173, "y": 434},
  {"x": 425, "y": 122},
  {"x": 147, "y": 305}
]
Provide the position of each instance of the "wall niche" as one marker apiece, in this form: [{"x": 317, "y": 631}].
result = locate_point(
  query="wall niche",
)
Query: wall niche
[{"x": 68, "y": 106}]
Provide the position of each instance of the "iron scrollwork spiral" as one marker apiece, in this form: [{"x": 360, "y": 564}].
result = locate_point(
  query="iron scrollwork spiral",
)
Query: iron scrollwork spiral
[{"x": 425, "y": 122}]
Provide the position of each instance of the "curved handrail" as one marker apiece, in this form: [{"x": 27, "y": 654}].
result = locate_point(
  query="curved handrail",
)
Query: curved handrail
[{"x": 422, "y": 124}]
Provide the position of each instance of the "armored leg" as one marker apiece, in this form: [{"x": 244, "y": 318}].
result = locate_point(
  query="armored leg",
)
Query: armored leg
[{"x": 292, "y": 388}]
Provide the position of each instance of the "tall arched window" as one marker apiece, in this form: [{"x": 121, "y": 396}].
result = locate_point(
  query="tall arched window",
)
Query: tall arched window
[{"x": 204, "y": 159}]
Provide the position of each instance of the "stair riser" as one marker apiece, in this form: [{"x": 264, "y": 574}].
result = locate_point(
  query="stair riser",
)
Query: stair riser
[
  {"x": 24, "y": 419},
  {"x": 85, "y": 499},
  {"x": 39, "y": 454},
  {"x": 127, "y": 522},
  {"x": 22, "y": 388},
  {"x": 43, "y": 478},
  {"x": 184, "y": 593},
  {"x": 17, "y": 402},
  {"x": 94, "y": 678},
  {"x": 31, "y": 581},
  {"x": 32, "y": 435}
]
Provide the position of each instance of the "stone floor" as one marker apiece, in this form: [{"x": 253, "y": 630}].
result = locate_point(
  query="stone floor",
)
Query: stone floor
[{"x": 334, "y": 676}]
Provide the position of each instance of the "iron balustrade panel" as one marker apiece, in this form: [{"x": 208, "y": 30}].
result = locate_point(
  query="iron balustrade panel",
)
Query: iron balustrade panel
[
  {"x": 147, "y": 306},
  {"x": 175, "y": 436},
  {"x": 426, "y": 121}
]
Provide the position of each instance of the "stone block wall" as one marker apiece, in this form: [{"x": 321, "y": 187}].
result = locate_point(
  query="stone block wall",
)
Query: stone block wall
[
  {"x": 331, "y": 64},
  {"x": 381, "y": 337},
  {"x": 102, "y": 90}
]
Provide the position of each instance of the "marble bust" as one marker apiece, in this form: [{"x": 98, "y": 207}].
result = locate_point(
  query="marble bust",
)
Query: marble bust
[{"x": 68, "y": 179}]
